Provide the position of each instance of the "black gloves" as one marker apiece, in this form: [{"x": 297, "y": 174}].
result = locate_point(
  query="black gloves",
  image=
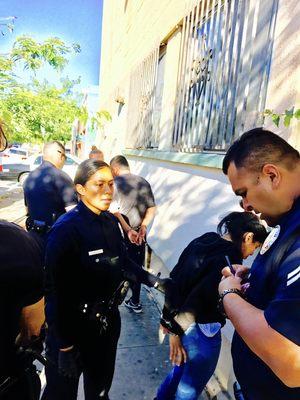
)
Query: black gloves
[{"x": 68, "y": 363}]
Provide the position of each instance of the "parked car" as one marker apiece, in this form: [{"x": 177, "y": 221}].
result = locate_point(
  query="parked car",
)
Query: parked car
[
  {"x": 21, "y": 171},
  {"x": 14, "y": 155}
]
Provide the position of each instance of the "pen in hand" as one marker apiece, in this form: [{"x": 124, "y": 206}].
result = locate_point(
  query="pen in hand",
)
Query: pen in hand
[{"x": 232, "y": 270}]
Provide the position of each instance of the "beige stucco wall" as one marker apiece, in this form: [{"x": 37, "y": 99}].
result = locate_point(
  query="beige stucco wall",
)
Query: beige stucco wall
[{"x": 284, "y": 83}]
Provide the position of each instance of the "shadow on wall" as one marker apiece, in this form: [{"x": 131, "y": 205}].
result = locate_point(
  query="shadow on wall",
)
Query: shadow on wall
[{"x": 190, "y": 202}]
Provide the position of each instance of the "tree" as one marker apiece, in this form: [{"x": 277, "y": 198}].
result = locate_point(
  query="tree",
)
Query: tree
[
  {"x": 40, "y": 114},
  {"x": 32, "y": 56},
  {"x": 37, "y": 111}
]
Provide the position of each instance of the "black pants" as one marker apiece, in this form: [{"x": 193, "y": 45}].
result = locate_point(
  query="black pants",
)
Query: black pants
[
  {"x": 24, "y": 385},
  {"x": 97, "y": 362},
  {"x": 137, "y": 254}
]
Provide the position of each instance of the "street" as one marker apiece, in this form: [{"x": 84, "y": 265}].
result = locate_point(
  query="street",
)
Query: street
[{"x": 11, "y": 201}]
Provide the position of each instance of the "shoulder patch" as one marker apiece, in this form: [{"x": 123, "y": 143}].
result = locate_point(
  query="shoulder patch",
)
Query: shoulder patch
[{"x": 293, "y": 276}]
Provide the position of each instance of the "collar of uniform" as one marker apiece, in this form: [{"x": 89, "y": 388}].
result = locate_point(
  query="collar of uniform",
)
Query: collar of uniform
[
  {"x": 48, "y": 164},
  {"x": 291, "y": 216},
  {"x": 83, "y": 209}
]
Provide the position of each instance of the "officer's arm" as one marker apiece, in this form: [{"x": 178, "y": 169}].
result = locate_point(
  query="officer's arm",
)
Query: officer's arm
[
  {"x": 279, "y": 353},
  {"x": 32, "y": 319}
]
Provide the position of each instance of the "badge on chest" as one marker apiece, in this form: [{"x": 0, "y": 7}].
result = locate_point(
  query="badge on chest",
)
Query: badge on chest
[{"x": 271, "y": 238}]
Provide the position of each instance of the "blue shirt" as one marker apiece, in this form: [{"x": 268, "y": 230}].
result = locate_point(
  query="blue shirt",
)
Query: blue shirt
[
  {"x": 281, "y": 305},
  {"x": 48, "y": 191}
]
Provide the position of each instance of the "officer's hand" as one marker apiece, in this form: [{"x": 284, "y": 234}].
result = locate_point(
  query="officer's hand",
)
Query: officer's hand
[
  {"x": 177, "y": 353},
  {"x": 229, "y": 281},
  {"x": 68, "y": 363},
  {"x": 133, "y": 236}
]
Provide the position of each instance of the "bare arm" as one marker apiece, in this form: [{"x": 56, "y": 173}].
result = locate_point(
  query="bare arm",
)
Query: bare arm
[
  {"x": 32, "y": 319},
  {"x": 148, "y": 218},
  {"x": 132, "y": 234},
  {"x": 278, "y": 352}
]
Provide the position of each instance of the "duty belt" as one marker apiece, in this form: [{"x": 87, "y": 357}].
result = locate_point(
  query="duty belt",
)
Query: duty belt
[
  {"x": 37, "y": 226},
  {"x": 101, "y": 310}
]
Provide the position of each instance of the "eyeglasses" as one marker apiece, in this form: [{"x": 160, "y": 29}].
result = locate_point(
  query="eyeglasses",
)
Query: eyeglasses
[{"x": 62, "y": 153}]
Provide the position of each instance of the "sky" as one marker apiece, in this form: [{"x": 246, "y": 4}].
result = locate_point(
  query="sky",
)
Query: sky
[{"x": 72, "y": 21}]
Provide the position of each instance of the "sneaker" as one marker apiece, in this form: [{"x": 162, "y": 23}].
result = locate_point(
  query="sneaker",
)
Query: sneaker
[{"x": 137, "y": 308}]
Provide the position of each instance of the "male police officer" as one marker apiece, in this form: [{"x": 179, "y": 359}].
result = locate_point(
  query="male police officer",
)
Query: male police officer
[
  {"x": 21, "y": 307},
  {"x": 48, "y": 191},
  {"x": 134, "y": 198},
  {"x": 265, "y": 171}
]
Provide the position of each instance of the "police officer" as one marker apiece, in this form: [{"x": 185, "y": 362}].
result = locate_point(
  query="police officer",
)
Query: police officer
[
  {"x": 48, "y": 191},
  {"x": 87, "y": 263},
  {"x": 21, "y": 308},
  {"x": 264, "y": 170}
]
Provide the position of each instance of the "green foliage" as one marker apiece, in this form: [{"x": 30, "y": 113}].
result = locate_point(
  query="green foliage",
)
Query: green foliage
[
  {"x": 32, "y": 56},
  {"x": 287, "y": 116},
  {"x": 38, "y": 111},
  {"x": 99, "y": 119},
  {"x": 39, "y": 114}
]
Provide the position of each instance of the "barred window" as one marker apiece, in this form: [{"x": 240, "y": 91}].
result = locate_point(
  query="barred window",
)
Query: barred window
[
  {"x": 224, "y": 67},
  {"x": 224, "y": 63}
]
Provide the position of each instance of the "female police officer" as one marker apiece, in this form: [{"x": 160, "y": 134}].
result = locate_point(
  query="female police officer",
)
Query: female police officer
[{"x": 86, "y": 264}]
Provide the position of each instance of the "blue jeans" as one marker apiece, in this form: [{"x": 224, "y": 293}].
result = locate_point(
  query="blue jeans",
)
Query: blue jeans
[{"x": 187, "y": 381}]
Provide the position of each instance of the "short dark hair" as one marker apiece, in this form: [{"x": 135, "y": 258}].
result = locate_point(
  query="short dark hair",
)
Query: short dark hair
[
  {"x": 258, "y": 147},
  {"x": 237, "y": 223},
  {"x": 119, "y": 160},
  {"x": 88, "y": 168}
]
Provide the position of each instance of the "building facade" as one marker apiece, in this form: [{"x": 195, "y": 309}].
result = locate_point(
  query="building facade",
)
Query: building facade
[{"x": 182, "y": 80}]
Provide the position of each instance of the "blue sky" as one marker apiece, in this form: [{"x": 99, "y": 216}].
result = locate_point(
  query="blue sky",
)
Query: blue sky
[{"x": 71, "y": 20}]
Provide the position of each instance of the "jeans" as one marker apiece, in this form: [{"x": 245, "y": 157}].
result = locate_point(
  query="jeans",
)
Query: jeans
[{"x": 187, "y": 381}]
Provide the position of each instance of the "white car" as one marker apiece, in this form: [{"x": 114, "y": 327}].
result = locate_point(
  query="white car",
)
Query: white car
[
  {"x": 14, "y": 155},
  {"x": 70, "y": 166}
]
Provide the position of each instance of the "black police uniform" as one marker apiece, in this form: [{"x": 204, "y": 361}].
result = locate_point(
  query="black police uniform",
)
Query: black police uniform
[
  {"x": 21, "y": 284},
  {"x": 47, "y": 192},
  {"x": 277, "y": 292},
  {"x": 86, "y": 260}
]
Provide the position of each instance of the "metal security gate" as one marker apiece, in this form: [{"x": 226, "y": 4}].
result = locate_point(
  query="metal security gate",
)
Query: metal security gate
[
  {"x": 141, "y": 103},
  {"x": 225, "y": 57}
]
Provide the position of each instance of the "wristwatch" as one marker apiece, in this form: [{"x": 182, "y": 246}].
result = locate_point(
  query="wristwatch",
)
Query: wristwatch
[{"x": 223, "y": 294}]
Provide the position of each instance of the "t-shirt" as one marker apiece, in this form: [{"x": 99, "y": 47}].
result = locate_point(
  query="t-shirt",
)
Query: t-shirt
[
  {"x": 21, "y": 284},
  {"x": 281, "y": 304},
  {"x": 133, "y": 196},
  {"x": 48, "y": 191}
]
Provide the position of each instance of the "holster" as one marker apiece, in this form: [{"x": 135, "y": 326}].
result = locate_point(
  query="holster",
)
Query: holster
[
  {"x": 101, "y": 310},
  {"x": 37, "y": 226}
]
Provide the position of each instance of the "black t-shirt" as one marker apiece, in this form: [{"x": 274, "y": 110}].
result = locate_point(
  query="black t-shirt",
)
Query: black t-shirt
[
  {"x": 21, "y": 284},
  {"x": 48, "y": 191},
  {"x": 281, "y": 304}
]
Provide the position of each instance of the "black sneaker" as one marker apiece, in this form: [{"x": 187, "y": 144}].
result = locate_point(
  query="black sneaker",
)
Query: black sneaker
[{"x": 137, "y": 308}]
